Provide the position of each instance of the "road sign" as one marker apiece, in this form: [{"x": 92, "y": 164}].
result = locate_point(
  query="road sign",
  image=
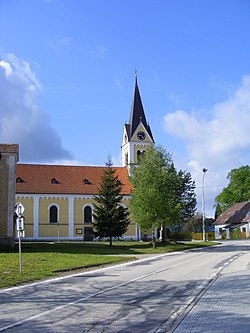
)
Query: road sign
[
  {"x": 19, "y": 209},
  {"x": 20, "y": 223},
  {"x": 20, "y": 234}
]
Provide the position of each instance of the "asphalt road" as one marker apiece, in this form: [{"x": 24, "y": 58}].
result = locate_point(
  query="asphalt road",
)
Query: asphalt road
[{"x": 143, "y": 296}]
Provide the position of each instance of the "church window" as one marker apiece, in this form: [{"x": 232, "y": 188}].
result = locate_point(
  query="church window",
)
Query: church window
[
  {"x": 140, "y": 154},
  {"x": 87, "y": 214},
  {"x": 53, "y": 214}
]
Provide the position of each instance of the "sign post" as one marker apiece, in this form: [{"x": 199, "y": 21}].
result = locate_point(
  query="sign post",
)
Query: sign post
[{"x": 19, "y": 210}]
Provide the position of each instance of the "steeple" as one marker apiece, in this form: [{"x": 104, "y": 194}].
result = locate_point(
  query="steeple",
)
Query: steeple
[
  {"x": 137, "y": 114},
  {"x": 137, "y": 135}
]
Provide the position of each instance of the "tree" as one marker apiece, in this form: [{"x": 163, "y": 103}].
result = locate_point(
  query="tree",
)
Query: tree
[
  {"x": 238, "y": 189},
  {"x": 160, "y": 195},
  {"x": 111, "y": 219},
  {"x": 194, "y": 224},
  {"x": 187, "y": 197}
]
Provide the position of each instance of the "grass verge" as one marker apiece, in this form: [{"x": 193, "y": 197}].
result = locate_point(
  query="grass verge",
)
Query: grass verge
[{"x": 44, "y": 260}]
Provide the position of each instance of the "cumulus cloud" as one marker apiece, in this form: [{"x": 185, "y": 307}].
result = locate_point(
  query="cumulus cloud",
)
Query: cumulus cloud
[
  {"x": 21, "y": 120},
  {"x": 220, "y": 143}
]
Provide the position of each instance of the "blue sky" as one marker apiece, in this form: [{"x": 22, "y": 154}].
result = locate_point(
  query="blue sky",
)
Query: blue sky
[{"x": 67, "y": 80}]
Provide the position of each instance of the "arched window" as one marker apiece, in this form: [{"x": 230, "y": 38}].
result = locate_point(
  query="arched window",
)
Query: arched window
[
  {"x": 53, "y": 214},
  {"x": 87, "y": 214},
  {"x": 139, "y": 156}
]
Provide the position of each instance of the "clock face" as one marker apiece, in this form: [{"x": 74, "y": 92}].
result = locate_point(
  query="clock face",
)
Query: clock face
[{"x": 141, "y": 135}]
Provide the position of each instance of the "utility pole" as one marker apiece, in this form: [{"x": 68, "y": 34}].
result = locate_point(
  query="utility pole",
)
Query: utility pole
[{"x": 203, "y": 207}]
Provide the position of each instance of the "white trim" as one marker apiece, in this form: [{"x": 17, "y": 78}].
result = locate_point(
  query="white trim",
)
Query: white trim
[
  {"x": 71, "y": 217},
  {"x": 36, "y": 216},
  {"x": 92, "y": 210}
]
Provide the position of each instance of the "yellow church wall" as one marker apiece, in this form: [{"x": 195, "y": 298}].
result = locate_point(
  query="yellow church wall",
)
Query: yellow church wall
[
  {"x": 47, "y": 229},
  {"x": 52, "y": 229},
  {"x": 79, "y": 204},
  {"x": 131, "y": 230},
  {"x": 28, "y": 203}
]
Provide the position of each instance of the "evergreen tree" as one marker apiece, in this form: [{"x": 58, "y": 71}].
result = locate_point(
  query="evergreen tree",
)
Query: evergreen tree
[
  {"x": 187, "y": 197},
  {"x": 110, "y": 218}
]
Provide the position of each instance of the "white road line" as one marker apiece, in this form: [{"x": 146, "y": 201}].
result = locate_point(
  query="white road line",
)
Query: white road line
[
  {"x": 18, "y": 323},
  {"x": 82, "y": 273}
]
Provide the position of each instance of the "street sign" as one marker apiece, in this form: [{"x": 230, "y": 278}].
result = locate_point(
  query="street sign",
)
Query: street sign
[
  {"x": 20, "y": 223},
  {"x": 21, "y": 234},
  {"x": 19, "y": 209}
]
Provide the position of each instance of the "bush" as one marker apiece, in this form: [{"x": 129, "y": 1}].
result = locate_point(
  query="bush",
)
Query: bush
[{"x": 179, "y": 236}]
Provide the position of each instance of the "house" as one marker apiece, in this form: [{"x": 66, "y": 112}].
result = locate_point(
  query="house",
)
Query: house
[
  {"x": 236, "y": 216},
  {"x": 58, "y": 199}
]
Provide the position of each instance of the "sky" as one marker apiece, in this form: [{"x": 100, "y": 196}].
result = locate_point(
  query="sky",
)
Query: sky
[{"x": 67, "y": 81}]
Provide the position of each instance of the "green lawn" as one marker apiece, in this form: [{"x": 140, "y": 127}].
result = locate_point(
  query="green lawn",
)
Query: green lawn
[{"x": 43, "y": 260}]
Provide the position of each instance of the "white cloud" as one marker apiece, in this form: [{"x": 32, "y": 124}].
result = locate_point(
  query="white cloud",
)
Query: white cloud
[
  {"x": 22, "y": 121},
  {"x": 220, "y": 143}
]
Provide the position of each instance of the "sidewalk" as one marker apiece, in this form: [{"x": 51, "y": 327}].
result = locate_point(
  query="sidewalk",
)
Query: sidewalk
[{"x": 225, "y": 305}]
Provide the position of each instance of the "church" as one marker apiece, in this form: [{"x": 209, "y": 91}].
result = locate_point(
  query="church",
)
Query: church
[{"x": 58, "y": 199}]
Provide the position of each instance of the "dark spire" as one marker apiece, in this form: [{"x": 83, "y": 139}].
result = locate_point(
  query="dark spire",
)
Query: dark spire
[{"x": 137, "y": 114}]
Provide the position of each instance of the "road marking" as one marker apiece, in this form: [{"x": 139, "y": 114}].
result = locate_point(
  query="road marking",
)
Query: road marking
[
  {"x": 23, "y": 321},
  {"x": 82, "y": 273}
]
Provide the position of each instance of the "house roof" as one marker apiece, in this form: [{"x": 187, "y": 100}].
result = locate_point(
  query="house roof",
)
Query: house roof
[
  {"x": 61, "y": 179},
  {"x": 137, "y": 115},
  {"x": 236, "y": 214}
]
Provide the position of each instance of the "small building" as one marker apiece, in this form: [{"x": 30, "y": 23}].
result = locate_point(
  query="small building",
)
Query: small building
[{"x": 236, "y": 216}]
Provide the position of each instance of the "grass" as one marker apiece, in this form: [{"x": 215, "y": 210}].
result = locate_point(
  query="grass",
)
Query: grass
[{"x": 44, "y": 260}]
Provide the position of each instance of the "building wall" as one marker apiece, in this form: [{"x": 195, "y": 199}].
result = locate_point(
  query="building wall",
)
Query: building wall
[
  {"x": 47, "y": 229},
  {"x": 71, "y": 224}
]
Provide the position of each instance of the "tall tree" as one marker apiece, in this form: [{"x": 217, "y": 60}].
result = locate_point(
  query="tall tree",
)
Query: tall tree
[
  {"x": 153, "y": 201},
  {"x": 110, "y": 218},
  {"x": 161, "y": 196},
  {"x": 186, "y": 196},
  {"x": 238, "y": 189}
]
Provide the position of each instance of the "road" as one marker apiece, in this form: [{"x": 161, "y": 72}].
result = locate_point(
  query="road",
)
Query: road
[{"x": 142, "y": 296}]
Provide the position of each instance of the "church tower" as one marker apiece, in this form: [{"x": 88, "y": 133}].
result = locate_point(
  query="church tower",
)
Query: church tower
[{"x": 137, "y": 135}]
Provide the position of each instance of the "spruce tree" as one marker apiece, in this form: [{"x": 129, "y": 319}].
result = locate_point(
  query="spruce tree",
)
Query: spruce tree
[{"x": 110, "y": 218}]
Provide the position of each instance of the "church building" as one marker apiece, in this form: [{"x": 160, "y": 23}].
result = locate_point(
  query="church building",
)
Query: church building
[{"x": 58, "y": 199}]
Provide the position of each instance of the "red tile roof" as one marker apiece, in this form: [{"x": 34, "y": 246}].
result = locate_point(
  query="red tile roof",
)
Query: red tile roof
[
  {"x": 38, "y": 179},
  {"x": 235, "y": 214}
]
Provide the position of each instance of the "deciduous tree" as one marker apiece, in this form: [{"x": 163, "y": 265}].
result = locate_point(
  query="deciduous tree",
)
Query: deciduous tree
[
  {"x": 238, "y": 189},
  {"x": 161, "y": 196}
]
